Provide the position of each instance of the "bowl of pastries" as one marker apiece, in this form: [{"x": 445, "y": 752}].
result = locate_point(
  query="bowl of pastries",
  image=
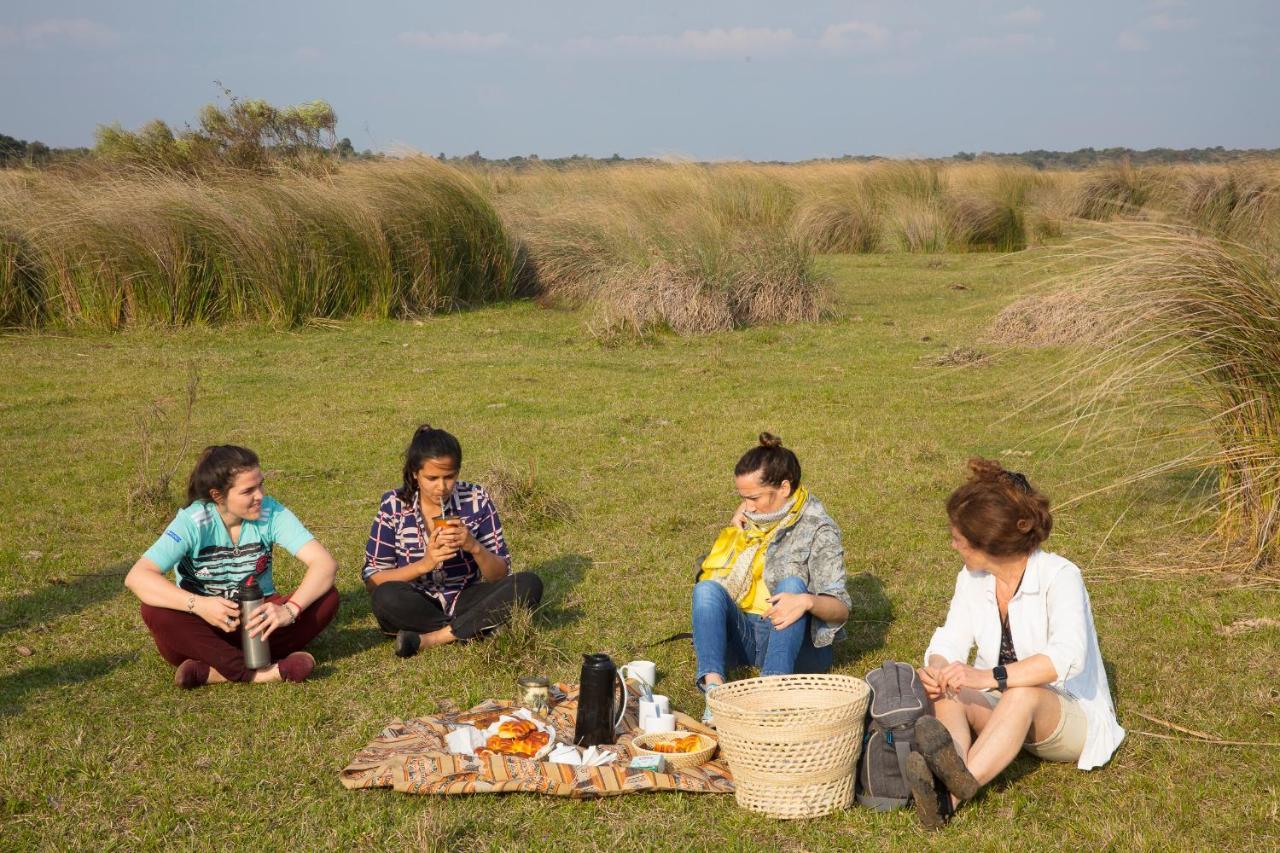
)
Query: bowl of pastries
[
  {"x": 679, "y": 748},
  {"x": 519, "y": 737}
]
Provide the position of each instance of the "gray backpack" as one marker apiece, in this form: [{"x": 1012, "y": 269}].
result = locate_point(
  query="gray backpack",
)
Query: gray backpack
[{"x": 897, "y": 701}]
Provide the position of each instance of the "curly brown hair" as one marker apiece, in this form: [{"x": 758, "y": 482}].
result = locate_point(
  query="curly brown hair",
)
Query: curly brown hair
[{"x": 999, "y": 511}]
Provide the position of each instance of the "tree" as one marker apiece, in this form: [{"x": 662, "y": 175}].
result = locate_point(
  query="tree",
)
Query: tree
[{"x": 244, "y": 134}]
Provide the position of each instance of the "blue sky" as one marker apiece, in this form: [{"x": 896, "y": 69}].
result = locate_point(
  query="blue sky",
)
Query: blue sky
[{"x": 709, "y": 80}]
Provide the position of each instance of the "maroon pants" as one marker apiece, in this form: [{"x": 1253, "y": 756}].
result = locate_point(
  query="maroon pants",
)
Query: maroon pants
[{"x": 180, "y": 636}]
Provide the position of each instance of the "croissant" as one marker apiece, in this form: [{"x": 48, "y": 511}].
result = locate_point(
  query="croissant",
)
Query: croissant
[
  {"x": 688, "y": 743},
  {"x": 532, "y": 741},
  {"x": 516, "y": 728}
]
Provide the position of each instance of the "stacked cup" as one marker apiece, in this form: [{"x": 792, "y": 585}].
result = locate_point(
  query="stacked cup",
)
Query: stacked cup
[
  {"x": 656, "y": 716},
  {"x": 655, "y": 710}
]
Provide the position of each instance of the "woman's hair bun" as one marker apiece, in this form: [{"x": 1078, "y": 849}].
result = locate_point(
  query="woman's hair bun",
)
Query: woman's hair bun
[
  {"x": 984, "y": 470},
  {"x": 768, "y": 439}
]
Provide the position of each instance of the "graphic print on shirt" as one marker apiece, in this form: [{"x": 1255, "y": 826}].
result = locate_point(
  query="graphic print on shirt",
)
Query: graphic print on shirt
[{"x": 217, "y": 570}]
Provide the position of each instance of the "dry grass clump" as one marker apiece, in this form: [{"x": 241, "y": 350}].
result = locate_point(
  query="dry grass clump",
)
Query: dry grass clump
[
  {"x": 710, "y": 287},
  {"x": 377, "y": 240},
  {"x": 1196, "y": 320},
  {"x": 523, "y": 497},
  {"x": 1060, "y": 318},
  {"x": 960, "y": 357}
]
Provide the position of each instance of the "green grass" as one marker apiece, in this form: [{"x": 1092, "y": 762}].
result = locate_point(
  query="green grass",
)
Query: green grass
[{"x": 99, "y": 750}]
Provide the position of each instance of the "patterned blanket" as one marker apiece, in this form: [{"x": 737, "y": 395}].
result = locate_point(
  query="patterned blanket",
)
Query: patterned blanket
[{"x": 411, "y": 757}]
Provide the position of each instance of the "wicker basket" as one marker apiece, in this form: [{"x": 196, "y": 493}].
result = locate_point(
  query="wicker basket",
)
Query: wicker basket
[
  {"x": 676, "y": 760},
  {"x": 792, "y": 741}
]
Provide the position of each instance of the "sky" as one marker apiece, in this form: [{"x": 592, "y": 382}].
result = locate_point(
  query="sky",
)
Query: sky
[{"x": 707, "y": 80}]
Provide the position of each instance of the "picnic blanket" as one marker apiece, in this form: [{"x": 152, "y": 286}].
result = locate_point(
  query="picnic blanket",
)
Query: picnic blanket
[{"x": 411, "y": 757}]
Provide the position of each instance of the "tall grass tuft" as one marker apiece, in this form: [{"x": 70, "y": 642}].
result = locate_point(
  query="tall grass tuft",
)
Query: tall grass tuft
[
  {"x": 1114, "y": 191},
  {"x": 1199, "y": 319},
  {"x": 1240, "y": 203},
  {"x": 377, "y": 240},
  {"x": 687, "y": 249}
]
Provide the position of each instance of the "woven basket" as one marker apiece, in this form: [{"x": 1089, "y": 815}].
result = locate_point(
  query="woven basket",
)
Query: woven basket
[
  {"x": 792, "y": 741},
  {"x": 675, "y": 760}
]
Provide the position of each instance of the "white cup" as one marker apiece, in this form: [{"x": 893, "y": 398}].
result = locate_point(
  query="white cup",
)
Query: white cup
[
  {"x": 642, "y": 670},
  {"x": 661, "y": 723},
  {"x": 661, "y": 705},
  {"x": 647, "y": 712}
]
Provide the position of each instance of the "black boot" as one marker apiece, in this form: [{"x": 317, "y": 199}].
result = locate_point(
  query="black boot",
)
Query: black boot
[
  {"x": 939, "y": 751},
  {"x": 925, "y": 794},
  {"x": 407, "y": 643}
]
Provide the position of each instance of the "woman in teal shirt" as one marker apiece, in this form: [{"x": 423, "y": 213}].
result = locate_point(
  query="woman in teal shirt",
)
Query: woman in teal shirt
[{"x": 224, "y": 536}]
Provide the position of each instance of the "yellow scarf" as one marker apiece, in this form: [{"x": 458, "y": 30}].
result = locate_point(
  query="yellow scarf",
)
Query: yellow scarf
[{"x": 736, "y": 561}]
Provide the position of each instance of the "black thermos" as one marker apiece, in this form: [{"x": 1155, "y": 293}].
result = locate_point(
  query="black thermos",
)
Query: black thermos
[{"x": 598, "y": 706}]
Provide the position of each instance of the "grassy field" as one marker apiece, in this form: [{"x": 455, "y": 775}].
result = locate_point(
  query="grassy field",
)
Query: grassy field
[{"x": 99, "y": 750}]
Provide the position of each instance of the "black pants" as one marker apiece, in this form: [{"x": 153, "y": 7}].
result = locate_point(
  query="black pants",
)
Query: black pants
[{"x": 480, "y": 608}]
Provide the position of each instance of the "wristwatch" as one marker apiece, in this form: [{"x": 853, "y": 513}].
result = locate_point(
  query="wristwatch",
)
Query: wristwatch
[{"x": 1001, "y": 676}]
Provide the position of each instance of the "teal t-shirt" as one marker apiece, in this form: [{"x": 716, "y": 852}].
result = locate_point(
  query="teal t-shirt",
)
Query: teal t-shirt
[{"x": 198, "y": 548}]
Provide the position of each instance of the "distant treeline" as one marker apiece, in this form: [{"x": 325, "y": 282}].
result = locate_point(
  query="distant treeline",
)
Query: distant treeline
[
  {"x": 1083, "y": 158},
  {"x": 19, "y": 152},
  {"x": 141, "y": 145}
]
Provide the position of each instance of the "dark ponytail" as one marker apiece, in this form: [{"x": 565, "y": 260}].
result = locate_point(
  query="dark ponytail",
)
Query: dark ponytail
[
  {"x": 427, "y": 443},
  {"x": 217, "y": 468},
  {"x": 774, "y": 462},
  {"x": 999, "y": 511}
]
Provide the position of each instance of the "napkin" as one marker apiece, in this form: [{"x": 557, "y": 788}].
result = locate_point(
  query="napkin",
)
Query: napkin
[
  {"x": 578, "y": 757},
  {"x": 464, "y": 740}
]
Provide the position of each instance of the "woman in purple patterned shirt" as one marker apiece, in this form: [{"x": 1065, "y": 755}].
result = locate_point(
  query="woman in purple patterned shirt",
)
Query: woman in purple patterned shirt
[{"x": 433, "y": 582}]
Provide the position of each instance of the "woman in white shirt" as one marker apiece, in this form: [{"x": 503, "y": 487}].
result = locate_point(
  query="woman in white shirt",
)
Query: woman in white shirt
[{"x": 1037, "y": 682}]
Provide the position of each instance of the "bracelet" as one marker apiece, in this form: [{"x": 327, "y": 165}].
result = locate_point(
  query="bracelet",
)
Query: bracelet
[
  {"x": 297, "y": 613},
  {"x": 191, "y": 604}
]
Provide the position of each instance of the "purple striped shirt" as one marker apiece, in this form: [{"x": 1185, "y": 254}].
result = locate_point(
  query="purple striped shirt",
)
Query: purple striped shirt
[{"x": 399, "y": 537}]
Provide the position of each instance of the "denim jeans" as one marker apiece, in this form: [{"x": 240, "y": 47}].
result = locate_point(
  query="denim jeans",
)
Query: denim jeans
[{"x": 725, "y": 636}]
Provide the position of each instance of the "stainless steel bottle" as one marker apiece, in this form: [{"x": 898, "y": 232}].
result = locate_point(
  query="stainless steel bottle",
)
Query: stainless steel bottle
[{"x": 257, "y": 652}]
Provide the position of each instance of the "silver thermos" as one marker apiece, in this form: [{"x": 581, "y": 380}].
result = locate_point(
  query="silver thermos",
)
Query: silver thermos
[{"x": 257, "y": 652}]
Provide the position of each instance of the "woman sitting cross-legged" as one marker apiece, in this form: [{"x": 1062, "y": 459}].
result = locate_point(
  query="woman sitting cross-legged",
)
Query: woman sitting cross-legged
[
  {"x": 224, "y": 536},
  {"x": 437, "y": 566},
  {"x": 771, "y": 593},
  {"x": 1038, "y": 681}
]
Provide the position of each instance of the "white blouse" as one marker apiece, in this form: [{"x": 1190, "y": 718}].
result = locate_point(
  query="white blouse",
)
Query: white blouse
[{"x": 1049, "y": 615}]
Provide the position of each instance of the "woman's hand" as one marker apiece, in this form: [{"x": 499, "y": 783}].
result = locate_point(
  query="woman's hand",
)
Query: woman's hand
[
  {"x": 957, "y": 676},
  {"x": 268, "y": 617},
  {"x": 931, "y": 678},
  {"x": 218, "y": 612},
  {"x": 439, "y": 549},
  {"x": 787, "y": 608},
  {"x": 459, "y": 538},
  {"x": 739, "y": 519}
]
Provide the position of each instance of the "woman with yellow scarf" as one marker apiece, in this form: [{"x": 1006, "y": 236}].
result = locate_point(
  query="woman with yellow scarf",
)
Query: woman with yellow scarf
[{"x": 771, "y": 593}]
